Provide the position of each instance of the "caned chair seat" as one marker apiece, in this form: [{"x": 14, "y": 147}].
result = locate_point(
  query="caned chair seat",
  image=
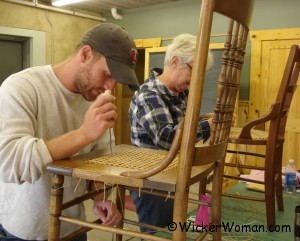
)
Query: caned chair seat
[{"x": 134, "y": 159}]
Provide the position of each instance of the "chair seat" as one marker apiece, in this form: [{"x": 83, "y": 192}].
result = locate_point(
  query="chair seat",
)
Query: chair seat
[
  {"x": 255, "y": 134},
  {"x": 258, "y": 137},
  {"x": 103, "y": 166},
  {"x": 134, "y": 159}
]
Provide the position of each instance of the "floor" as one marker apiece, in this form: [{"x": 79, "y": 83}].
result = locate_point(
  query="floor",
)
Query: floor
[
  {"x": 244, "y": 220},
  {"x": 248, "y": 220},
  {"x": 96, "y": 235}
]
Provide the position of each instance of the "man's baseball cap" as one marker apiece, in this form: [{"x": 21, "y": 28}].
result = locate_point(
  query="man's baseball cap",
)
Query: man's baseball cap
[{"x": 119, "y": 49}]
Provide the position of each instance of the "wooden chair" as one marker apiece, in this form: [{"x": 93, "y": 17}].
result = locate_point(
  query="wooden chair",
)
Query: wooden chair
[
  {"x": 168, "y": 173},
  {"x": 273, "y": 140}
]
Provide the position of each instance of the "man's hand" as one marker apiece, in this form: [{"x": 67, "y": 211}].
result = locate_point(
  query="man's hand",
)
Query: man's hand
[
  {"x": 101, "y": 116},
  {"x": 107, "y": 212}
]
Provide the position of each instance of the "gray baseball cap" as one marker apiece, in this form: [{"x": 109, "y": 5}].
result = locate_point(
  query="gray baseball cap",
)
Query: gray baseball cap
[{"x": 119, "y": 50}]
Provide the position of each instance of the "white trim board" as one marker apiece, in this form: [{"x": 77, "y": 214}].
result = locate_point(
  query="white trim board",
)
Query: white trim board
[{"x": 37, "y": 43}]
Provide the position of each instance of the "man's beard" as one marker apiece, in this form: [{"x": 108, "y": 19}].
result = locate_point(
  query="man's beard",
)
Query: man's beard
[{"x": 83, "y": 82}]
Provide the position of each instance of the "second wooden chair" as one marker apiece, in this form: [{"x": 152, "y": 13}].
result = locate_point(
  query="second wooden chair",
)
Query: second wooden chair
[{"x": 272, "y": 140}]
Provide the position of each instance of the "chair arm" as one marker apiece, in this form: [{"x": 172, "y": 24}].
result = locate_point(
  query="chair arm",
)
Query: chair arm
[
  {"x": 246, "y": 130},
  {"x": 165, "y": 162}
]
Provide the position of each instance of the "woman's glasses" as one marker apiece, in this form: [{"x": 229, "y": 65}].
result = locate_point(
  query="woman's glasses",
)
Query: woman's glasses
[{"x": 191, "y": 68}]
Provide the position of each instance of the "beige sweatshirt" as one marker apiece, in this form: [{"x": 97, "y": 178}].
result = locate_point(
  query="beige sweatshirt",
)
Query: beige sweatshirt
[{"x": 34, "y": 107}]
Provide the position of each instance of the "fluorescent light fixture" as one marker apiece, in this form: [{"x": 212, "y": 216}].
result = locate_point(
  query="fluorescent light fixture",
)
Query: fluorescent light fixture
[{"x": 59, "y": 3}]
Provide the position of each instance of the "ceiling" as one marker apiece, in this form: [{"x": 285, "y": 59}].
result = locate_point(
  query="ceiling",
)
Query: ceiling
[{"x": 104, "y": 6}]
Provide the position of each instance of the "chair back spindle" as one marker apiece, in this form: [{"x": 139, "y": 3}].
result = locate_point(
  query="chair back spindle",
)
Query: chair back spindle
[{"x": 239, "y": 14}]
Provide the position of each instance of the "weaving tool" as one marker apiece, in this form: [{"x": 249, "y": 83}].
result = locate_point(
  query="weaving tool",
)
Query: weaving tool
[{"x": 108, "y": 92}]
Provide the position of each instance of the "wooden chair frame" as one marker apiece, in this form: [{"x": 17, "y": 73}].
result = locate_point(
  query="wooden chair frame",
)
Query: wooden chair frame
[
  {"x": 194, "y": 162},
  {"x": 273, "y": 140}
]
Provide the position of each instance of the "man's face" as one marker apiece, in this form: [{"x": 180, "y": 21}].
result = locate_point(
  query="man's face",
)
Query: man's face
[{"x": 93, "y": 78}]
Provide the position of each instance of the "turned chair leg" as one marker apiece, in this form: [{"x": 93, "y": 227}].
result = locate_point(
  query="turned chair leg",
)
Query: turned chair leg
[
  {"x": 216, "y": 200},
  {"x": 120, "y": 202},
  {"x": 278, "y": 182},
  {"x": 56, "y": 200},
  {"x": 270, "y": 191}
]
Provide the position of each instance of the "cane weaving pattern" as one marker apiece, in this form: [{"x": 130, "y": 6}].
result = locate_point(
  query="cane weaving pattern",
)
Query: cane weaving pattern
[{"x": 133, "y": 159}]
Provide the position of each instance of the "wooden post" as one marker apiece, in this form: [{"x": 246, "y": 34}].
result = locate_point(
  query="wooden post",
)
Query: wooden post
[
  {"x": 120, "y": 202},
  {"x": 56, "y": 200}
]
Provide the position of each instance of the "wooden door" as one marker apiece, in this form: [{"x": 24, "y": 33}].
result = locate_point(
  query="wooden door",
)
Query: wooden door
[{"x": 269, "y": 52}]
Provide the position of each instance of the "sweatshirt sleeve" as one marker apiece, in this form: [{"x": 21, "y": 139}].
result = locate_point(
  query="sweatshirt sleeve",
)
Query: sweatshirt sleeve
[{"x": 23, "y": 155}]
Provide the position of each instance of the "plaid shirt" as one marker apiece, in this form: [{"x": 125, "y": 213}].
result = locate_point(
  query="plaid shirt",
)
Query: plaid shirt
[{"x": 155, "y": 113}]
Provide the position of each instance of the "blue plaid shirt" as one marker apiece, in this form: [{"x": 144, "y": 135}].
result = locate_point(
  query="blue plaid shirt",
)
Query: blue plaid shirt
[{"x": 155, "y": 113}]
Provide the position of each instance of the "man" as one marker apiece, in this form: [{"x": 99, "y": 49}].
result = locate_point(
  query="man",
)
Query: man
[
  {"x": 156, "y": 109},
  {"x": 52, "y": 112}
]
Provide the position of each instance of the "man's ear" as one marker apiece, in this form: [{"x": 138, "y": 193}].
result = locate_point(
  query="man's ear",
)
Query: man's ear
[{"x": 86, "y": 53}]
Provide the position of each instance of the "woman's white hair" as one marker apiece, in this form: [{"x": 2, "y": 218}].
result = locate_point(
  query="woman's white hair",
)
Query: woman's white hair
[{"x": 183, "y": 46}]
